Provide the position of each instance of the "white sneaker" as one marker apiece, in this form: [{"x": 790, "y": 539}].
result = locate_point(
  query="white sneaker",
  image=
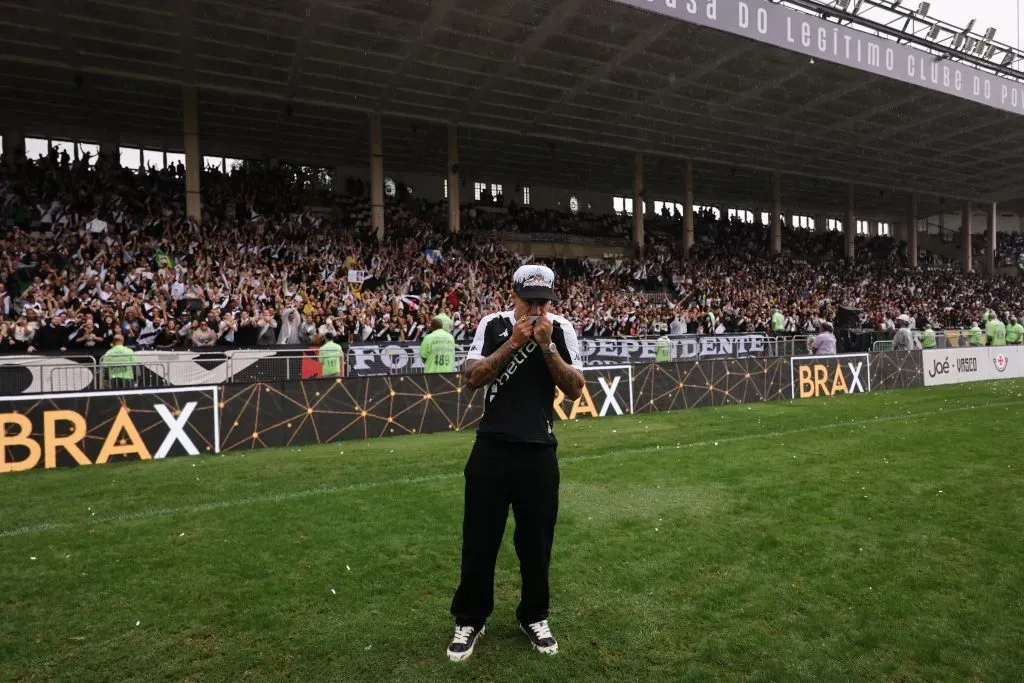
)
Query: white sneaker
[
  {"x": 540, "y": 637},
  {"x": 463, "y": 642}
]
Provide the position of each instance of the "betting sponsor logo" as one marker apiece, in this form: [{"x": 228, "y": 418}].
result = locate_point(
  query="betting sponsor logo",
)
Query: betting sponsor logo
[{"x": 830, "y": 375}]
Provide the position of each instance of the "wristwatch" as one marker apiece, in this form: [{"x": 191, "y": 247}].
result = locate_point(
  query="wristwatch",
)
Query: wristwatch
[{"x": 551, "y": 349}]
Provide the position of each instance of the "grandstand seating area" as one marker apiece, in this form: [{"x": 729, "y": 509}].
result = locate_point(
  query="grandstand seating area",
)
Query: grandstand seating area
[{"x": 90, "y": 250}]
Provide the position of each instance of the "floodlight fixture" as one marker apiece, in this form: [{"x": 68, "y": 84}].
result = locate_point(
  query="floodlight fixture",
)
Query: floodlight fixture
[
  {"x": 958, "y": 41},
  {"x": 924, "y": 8},
  {"x": 990, "y": 33},
  {"x": 970, "y": 26},
  {"x": 933, "y": 32},
  {"x": 990, "y": 51},
  {"x": 1007, "y": 58},
  {"x": 842, "y": 5}
]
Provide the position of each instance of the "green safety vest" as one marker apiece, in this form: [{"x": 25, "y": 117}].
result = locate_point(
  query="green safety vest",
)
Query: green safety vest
[
  {"x": 996, "y": 332},
  {"x": 330, "y": 358},
  {"x": 928, "y": 339},
  {"x": 120, "y": 362},
  {"x": 984, "y": 318},
  {"x": 1015, "y": 333},
  {"x": 778, "y": 322},
  {"x": 438, "y": 352},
  {"x": 974, "y": 336},
  {"x": 663, "y": 350}
]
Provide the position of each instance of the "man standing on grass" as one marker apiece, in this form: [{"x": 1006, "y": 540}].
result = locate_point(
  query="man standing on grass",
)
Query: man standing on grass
[
  {"x": 438, "y": 349},
  {"x": 520, "y": 356}
]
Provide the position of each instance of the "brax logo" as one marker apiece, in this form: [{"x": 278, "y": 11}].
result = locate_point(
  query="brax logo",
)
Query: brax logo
[
  {"x": 586, "y": 405},
  {"x": 830, "y": 376},
  {"x": 67, "y": 429}
]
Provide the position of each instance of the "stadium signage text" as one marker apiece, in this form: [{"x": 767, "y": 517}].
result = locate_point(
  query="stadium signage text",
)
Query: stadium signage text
[
  {"x": 96, "y": 428},
  {"x": 786, "y": 28},
  {"x": 830, "y": 375},
  {"x": 404, "y": 357},
  {"x": 607, "y": 391},
  {"x": 953, "y": 366}
]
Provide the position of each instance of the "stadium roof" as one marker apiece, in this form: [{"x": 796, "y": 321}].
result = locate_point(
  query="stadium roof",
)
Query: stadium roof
[{"x": 555, "y": 92}]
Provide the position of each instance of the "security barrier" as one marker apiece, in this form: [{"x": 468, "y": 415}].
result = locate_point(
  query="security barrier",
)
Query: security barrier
[{"x": 94, "y": 427}]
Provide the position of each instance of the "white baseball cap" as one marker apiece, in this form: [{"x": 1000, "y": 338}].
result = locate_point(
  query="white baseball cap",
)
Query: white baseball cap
[{"x": 535, "y": 282}]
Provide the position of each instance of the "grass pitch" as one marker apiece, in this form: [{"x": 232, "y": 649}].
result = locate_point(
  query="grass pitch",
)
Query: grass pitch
[{"x": 876, "y": 537}]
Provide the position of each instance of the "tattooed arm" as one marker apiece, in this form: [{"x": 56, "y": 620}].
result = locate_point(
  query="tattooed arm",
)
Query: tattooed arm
[
  {"x": 481, "y": 372},
  {"x": 567, "y": 378}
]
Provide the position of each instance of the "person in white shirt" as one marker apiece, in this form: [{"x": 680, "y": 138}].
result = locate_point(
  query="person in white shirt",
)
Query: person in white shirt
[{"x": 824, "y": 344}]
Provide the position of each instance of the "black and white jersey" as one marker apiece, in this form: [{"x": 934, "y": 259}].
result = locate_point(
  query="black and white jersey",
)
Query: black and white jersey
[{"x": 520, "y": 401}]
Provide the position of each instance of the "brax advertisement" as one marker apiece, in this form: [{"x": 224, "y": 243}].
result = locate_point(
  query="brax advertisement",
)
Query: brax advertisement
[
  {"x": 94, "y": 428},
  {"x": 815, "y": 376},
  {"x": 953, "y": 366}
]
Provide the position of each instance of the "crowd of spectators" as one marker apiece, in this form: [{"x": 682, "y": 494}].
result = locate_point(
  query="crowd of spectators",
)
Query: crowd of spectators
[{"x": 90, "y": 251}]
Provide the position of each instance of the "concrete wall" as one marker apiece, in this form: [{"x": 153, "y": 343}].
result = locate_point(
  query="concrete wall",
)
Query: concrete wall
[{"x": 1006, "y": 222}]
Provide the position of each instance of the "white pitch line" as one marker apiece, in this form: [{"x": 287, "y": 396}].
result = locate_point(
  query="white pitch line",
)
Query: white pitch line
[{"x": 156, "y": 513}]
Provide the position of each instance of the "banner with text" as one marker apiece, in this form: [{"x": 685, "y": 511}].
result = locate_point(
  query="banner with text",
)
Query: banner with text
[
  {"x": 953, "y": 366},
  {"x": 813, "y": 36},
  {"x": 396, "y": 358},
  {"x": 94, "y": 428}
]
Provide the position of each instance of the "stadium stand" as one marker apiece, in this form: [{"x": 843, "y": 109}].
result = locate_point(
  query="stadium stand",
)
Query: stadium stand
[{"x": 95, "y": 250}]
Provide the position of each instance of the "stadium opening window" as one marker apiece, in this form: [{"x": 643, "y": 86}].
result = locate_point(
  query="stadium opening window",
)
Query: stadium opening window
[
  {"x": 574, "y": 204},
  {"x": 834, "y": 225},
  {"x": 884, "y": 230},
  {"x": 766, "y": 218},
  {"x": 496, "y": 191},
  {"x": 173, "y": 158},
  {"x": 83, "y": 148},
  {"x": 62, "y": 146},
  {"x": 36, "y": 147},
  {"x": 152, "y": 158},
  {"x": 231, "y": 164},
  {"x": 526, "y": 195},
  {"x": 478, "y": 190},
  {"x": 131, "y": 157},
  {"x": 216, "y": 163},
  {"x": 804, "y": 222},
  {"x": 444, "y": 185},
  {"x": 863, "y": 228}
]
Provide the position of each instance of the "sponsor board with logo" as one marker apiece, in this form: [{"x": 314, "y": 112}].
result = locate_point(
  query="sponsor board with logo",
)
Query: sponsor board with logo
[
  {"x": 815, "y": 376},
  {"x": 94, "y": 428},
  {"x": 954, "y": 366},
  {"x": 607, "y": 391}
]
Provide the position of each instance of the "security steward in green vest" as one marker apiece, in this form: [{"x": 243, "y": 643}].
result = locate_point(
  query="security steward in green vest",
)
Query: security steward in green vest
[
  {"x": 1014, "y": 332},
  {"x": 974, "y": 335},
  {"x": 995, "y": 330},
  {"x": 663, "y": 349},
  {"x": 438, "y": 349},
  {"x": 928, "y": 338},
  {"x": 120, "y": 363},
  {"x": 329, "y": 355},
  {"x": 778, "y": 321}
]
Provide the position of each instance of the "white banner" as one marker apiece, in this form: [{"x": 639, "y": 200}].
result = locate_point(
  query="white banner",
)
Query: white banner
[{"x": 954, "y": 366}]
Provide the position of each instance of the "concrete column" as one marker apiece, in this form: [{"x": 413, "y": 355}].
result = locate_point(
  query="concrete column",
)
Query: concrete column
[
  {"x": 193, "y": 162},
  {"x": 849, "y": 226},
  {"x": 14, "y": 144},
  {"x": 454, "y": 184},
  {"x": 966, "y": 258},
  {"x": 638, "y": 204},
  {"x": 990, "y": 239},
  {"x": 376, "y": 177},
  {"x": 688, "y": 209},
  {"x": 912, "y": 230},
  {"x": 820, "y": 224},
  {"x": 776, "y": 227}
]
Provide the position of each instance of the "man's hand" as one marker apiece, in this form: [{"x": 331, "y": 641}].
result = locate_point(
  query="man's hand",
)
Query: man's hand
[
  {"x": 522, "y": 332},
  {"x": 542, "y": 329}
]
